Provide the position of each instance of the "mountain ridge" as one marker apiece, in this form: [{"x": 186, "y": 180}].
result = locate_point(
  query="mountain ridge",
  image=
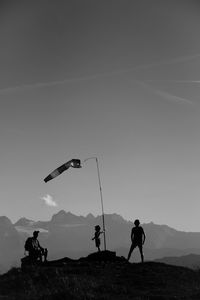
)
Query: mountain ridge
[{"x": 67, "y": 234}]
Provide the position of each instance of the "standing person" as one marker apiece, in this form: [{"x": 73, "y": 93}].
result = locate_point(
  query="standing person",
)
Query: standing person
[
  {"x": 138, "y": 239},
  {"x": 97, "y": 236}
]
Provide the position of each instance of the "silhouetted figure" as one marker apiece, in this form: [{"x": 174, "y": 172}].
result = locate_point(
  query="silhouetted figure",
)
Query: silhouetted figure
[
  {"x": 138, "y": 239},
  {"x": 97, "y": 236},
  {"x": 34, "y": 249}
]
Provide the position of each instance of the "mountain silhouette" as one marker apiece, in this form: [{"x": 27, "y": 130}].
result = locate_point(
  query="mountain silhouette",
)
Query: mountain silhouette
[
  {"x": 67, "y": 234},
  {"x": 63, "y": 217},
  {"x": 190, "y": 261},
  {"x": 24, "y": 222},
  {"x": 10, "y": 246}
]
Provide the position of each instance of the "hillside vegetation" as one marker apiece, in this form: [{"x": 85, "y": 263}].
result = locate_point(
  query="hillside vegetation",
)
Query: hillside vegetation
[{"x": 89, "y": 280}]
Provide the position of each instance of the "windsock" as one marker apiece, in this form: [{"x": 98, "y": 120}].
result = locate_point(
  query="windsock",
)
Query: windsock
[{"x": 74, "y": 163}]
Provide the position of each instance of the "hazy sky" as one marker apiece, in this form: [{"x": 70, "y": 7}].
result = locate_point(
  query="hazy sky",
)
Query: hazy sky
[{"x": 116, "y": 79}]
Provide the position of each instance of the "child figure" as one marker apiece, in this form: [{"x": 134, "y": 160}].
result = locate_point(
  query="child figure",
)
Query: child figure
[{"x": 97, "y": 236}]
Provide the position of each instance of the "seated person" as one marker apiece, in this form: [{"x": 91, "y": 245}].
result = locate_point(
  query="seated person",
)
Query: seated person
[{"x": 32, "y": 245}]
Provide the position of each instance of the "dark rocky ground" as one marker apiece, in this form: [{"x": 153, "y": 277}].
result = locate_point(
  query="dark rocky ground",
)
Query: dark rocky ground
[{"x": 96, "y": 277}]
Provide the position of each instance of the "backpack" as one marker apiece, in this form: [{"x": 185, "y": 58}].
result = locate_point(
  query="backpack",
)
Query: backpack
[{"x": 28, "y": 244}]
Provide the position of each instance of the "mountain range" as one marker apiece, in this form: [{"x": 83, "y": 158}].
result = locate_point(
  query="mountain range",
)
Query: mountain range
[{"x": 70, "y": 235}]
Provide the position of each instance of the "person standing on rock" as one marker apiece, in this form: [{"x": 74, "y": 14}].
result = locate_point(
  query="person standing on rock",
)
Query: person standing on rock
[
  {"x": 97, "y": 237},
  {"x": 138, "y": 238}
]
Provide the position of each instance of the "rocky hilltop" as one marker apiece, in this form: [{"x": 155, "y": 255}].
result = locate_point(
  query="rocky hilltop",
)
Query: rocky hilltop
[{"x": 101, "y": 280}]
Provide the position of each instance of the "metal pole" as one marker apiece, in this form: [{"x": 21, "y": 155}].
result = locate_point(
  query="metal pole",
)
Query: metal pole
[
  {"x": 101, "y": 195},
  {"x": 103, "y": 220}
]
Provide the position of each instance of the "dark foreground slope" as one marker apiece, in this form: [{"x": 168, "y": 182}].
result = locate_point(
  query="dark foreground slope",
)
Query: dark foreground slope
[{"x": 79, "y": 280}]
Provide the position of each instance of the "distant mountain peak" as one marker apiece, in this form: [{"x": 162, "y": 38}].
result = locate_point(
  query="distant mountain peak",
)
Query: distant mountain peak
[
  {"x": 164, "y": 227},
  {"x": 90, "y": 216},
  {"x": 24, "y": 222},
  {"x": 63, "y": 217},
  {"x": 118, "y": 218},
  {"x": 5, "y": 221}
]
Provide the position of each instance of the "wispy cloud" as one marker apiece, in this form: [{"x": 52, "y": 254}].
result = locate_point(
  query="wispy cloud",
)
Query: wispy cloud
[
  {"x": 49, "y": 201},
  {"x": 99, "y": 75}
]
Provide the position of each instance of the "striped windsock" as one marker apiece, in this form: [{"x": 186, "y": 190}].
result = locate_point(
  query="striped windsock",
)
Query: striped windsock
[{"x": 75, "y": 163}]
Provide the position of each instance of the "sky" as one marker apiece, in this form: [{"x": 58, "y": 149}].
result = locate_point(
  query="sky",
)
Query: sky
[{"x": 113, "y": 79}]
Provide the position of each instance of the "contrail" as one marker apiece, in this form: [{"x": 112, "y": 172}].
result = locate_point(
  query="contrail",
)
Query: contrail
[
  {"x": 46, "y": 84},
  {"x": 172, "y": 97},
  {"x": 164, "y": 94},
  {"x": 175, "y": 60},
  {"x": 174, "y": 81},
  {"x": 98, "y": 75}
]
